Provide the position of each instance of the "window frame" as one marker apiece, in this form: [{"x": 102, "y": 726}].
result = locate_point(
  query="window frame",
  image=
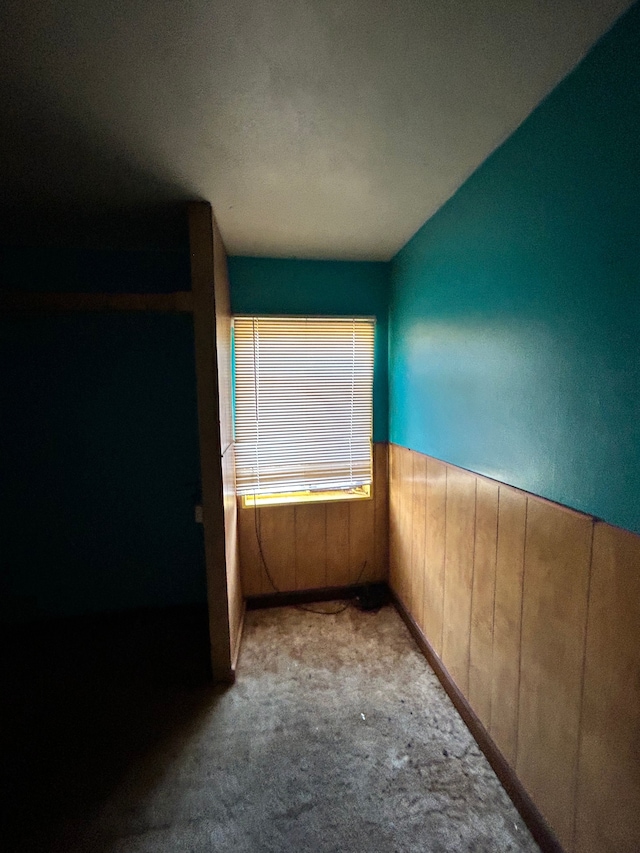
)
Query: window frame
[{"x": 305, "y": 497}]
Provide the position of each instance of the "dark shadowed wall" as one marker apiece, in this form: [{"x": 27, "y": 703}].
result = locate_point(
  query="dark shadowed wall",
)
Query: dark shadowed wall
[{"x": 98, "y": 442}]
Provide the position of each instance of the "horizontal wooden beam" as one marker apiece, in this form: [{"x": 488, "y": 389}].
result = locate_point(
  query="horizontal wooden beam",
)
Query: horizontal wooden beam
[{"x": 180, "y": 301}]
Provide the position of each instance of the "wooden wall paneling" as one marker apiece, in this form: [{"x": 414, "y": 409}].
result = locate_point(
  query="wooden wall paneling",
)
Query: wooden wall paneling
[
  {"x": 394, "y": 517},
  {"x": 405, "y": 470},
  {"x": 418, "y": 535},
  {"x": 554, "y": 613},
  {"x": 407, "y": 528},
  {"x": 254, "y": 578},
  {"x": 338, "y": 569},
  {"x": 433, "y": 593},
  {"x": 381, "y": 510},
  {"x": 482, "y": 600},
  {"x": 608, "y": 797},
  {"x": 201, "y": 239},
  {"x": 400, "y": 523},
  {"x": 458, "y": 574},
  {"x": 277, "y": 533},
  {"x": 311, "y": 545},
  {"x": 235, "y": 592},
  {"x": 505, "y": 680},
  {"x": 361, "y": 541},
  {"x": 553, "y": 650}
]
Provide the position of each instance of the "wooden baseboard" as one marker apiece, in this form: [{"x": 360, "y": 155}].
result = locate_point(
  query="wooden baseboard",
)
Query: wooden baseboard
[
  {"x": 303, "y": 596},
  {"x": 537, "y": 825}
]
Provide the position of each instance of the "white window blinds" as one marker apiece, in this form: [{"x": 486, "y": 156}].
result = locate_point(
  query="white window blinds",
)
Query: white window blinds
[{"x": 303, "y": 403}]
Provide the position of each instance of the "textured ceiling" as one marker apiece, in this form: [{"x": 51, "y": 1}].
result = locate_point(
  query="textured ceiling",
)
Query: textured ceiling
[{"x": 317, "y": 128}]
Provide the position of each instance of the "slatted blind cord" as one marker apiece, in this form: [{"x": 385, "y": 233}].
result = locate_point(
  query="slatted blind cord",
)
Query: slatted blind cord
[
  {"x": 257, "y": 401},
  {"x": 353, "y": 382}
]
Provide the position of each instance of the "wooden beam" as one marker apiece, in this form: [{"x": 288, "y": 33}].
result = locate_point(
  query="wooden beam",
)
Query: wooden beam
[
  {"x": 201, "y": 239},
  {"x": 16, "y": 301},
  {"x": 222, "y": 298}
]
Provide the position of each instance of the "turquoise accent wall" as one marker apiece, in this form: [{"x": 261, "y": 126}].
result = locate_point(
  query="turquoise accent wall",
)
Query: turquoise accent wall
[
  {"x": 304, "y": 287},
  {"x": 515, "y": 310},
  {"x": 99, "y": 456}
]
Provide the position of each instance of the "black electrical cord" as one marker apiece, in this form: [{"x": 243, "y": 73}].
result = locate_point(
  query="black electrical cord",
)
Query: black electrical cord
[{"x": 303, "y": 607}]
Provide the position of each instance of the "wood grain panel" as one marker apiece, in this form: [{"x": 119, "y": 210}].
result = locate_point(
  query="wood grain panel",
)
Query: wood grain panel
[
  {"x": 554, "y": 613},
  {"x": 608, "y": 800},
  {"x": 338, "y": 523},
  {"x": 361, "y": 541},
  {"x": 277, "y": 533},
  {"x": 458, "y": 573},
  {"x": 418, "y": 535},
  {"x": 381, "y": 510},
  {"x": 201, "y": 240},
  {"x": 505, "y": 682},
  {"x": 407, "y": 529},
  {"x": 434, "y": 552},
  {"x": 405, "y": 472},
  {"x": 254, "y": 578},
  {"x": 553, "y": 659},
  {"x": 235, "y": 592},
  {"x": 311, "y": 546},
  {"x": 354, "y": 532},
  {"x": 484, "y": 585},
  {"x": 394, "y": 517}
]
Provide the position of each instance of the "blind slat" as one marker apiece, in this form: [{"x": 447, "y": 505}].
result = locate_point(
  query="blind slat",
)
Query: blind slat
[{"x": 303, "y": 403}]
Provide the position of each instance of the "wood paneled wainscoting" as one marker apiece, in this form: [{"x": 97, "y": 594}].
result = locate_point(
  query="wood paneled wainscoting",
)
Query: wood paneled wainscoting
[
  {"x": 318, "y": 545},
  {"x": 533, "y": 612}
]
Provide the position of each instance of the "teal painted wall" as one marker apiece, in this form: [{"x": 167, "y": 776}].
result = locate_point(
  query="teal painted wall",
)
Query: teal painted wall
[
  {"x": 515, "y": 310},
  {"x": 289, "y": 286},
  {"x": 99, "y": 460}
]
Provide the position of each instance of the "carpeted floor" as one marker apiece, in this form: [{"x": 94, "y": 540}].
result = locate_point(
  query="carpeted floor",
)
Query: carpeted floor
[{"x": 336, "y": 737}]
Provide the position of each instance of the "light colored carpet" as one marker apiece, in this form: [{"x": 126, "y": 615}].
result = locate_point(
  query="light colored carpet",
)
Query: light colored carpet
[{"x": 336, "y": 737}]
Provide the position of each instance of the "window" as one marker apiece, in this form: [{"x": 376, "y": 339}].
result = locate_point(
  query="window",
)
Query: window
[{"x": 303, "y": 408}]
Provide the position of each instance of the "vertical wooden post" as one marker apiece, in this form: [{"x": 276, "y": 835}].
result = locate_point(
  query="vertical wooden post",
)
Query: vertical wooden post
[
  {"x": 201, "y": 238},
  {"x": 222, "y": 295}
]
